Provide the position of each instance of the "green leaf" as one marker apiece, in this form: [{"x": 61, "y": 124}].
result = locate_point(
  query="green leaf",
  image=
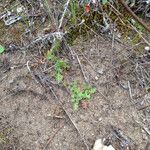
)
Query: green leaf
[
  {"x": 77, "y": 95},
  {"x": 56, "y": 46},
  {"x": 2, "y": 49},
  {"x": 75, "y": 106},
  {"x": 74, "y": 8},
  {"x": 104, "y": 2},
  {"x": 58, "y": 77},
  {"x": 50, "y": 56},
  {"x": 92, "y": 90}
]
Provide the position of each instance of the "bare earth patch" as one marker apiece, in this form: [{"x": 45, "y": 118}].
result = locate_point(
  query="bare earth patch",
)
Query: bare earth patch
[{"x": 31, "y": 118}]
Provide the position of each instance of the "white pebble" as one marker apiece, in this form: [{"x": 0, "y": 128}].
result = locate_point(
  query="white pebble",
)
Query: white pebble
[
  {"x": 100, "y": 119},
  {"x": 119, "y": 35},
  {"x": 129, "y": 38},
  {"x": 96, "y": 78},
  {"x": 19, "y": 9},
  {"x": 100, "y": 71},
  {"x": 147, "y": 48}
]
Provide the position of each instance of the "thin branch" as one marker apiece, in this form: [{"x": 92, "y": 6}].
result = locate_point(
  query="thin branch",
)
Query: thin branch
[
  {"x": 31, "y": 72},
  {"x": 85, "y": 78},
  {"x": 62, "y": 17},
  {"x": 130, "y": 92}
]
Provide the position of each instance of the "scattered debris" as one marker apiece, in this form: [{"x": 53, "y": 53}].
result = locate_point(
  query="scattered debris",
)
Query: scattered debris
[
  {"x": 10, "y": 18},
  {"x": 117, "y": 136}
]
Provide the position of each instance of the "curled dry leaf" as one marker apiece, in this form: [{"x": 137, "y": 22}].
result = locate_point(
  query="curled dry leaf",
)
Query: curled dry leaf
[
  {"x": 84, "y": 104},
  {"x": 88, "y": 8}
]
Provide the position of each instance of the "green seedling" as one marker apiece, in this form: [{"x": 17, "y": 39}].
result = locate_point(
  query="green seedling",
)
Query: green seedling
[
  {"x": 74, "y": 8},
  {"x": 2, "y": 49},
  {"x": 59, "y": 66},
  {"x": 51, "y": 56},
  {"x": 137, "y": 25},
  {"x": 55, "y": 47},
  {"x": 104, "y": 2},
  {"x": 77, "y": 95}
]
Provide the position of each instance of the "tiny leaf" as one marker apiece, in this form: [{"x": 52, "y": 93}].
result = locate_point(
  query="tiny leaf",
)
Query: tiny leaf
[
  {"x": 58, "y": 77},
  {"x": 2, "y": 49},
  {"x": 104, "y": 2}
]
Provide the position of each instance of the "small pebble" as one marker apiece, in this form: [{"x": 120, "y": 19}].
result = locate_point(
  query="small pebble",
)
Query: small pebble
[
  {"x": 49, "y": 115},
  {"x": 100, "y": 119},
  {"x": 119, "y": 35},
  {"x": 129, "y": 38},
  {"x": 12, "y": 67},
  {"x": 147, "y": 48},
  {"x": 96, "y": 78},
  {"x": 100, "y": 71},
  {"x": 11, "y": 81},
  {"x": 19, "y": 9},
  {"x": 92, "y": 50}
]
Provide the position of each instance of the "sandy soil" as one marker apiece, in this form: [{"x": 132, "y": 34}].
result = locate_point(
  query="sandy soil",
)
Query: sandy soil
[{"x": 32, "y": 118}]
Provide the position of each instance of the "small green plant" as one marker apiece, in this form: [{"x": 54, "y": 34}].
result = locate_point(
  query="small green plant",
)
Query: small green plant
[
  {"x": 59, "y": 66},
  {"x": 74, "y": 8},
  {"x": 51, "y": 56},
  {"x": 2, "y": 138},
  {"x": 104, "y": 2},
  {"x": 77, "y": 95},
  {"x": 137, "y": 25},
  {"x": 55, "y": 47},
  {"x": 2, "y": 49}
]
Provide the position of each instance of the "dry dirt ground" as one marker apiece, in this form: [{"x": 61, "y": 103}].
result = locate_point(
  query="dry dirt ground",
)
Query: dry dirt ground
[{"x": 32, "y": 118}]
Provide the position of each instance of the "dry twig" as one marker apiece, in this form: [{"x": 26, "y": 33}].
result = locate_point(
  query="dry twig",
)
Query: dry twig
[{"x": 61, "y": 20}]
